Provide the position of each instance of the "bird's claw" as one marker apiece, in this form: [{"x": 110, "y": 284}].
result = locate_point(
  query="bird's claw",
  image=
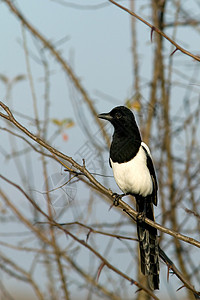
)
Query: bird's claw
[
  {"x": 140, "y": 217},
  {"x": 116, "y": 197}
]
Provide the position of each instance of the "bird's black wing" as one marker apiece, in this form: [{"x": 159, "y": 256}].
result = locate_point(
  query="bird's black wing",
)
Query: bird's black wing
[{"x": 153, "y": 175}]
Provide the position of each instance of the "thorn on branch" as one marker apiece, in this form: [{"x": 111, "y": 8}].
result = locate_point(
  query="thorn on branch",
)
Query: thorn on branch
[
  {"x": 174, "y": 51},
  {"x": 99, "y": 270},
  {"x": 84, "y": 163},
  {"x": 66, "y": 234},
  {"x": 153, "y": 28},
  {"x": 180, "y": 288},
  {"x": 133, "y": 282},
  {"x": 168, "y": 270},
  {"x": 138, "y": 290},
  {"x": 88, "y": 235},
  {"x": 110, "y": 207}
]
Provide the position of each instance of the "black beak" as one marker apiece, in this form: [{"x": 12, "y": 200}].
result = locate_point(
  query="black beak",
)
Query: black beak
[{"x": 105, "y": 117}]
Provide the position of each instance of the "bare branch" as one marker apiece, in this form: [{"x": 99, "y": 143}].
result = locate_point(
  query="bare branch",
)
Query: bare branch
[{"x": 153, "y": 28}]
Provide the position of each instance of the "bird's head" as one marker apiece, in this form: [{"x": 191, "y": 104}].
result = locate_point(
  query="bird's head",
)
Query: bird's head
[
  {"x": 123, "y": 121},
  {"x": 120, "y": 117}
]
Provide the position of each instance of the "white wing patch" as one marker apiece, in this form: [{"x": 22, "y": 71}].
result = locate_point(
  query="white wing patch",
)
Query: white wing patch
[
  {"x": 147, "y": 148},
  {"x": 133, "y": 176}
]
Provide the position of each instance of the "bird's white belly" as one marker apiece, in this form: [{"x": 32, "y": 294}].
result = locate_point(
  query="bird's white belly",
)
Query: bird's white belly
[{"x": 133, "y": 176}]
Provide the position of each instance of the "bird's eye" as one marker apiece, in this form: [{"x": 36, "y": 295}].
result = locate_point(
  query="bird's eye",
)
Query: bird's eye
[{"x": 118, "y": 115}]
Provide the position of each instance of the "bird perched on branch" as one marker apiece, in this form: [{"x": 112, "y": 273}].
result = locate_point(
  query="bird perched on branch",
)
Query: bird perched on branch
[{"x": 133, "y": 170}]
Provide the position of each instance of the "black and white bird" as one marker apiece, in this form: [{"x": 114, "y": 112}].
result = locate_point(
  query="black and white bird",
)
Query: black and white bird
[{"x": 133, "y": 170}]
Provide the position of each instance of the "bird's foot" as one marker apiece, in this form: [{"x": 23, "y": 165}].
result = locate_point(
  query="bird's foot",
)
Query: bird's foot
[
  {"x": 116, "y": 197},
  {"x": 141, "y": 216}
]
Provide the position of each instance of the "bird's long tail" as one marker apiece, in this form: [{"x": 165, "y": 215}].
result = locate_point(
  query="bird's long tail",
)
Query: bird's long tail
[{"x": 148, "y": 243}]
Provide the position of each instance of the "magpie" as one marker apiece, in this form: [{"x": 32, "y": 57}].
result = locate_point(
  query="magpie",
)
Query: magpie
[{"x": 133, "y": 170}]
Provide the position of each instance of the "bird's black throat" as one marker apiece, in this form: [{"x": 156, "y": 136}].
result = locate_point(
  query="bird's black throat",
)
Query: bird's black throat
[
  {"x": 123, "y": 149},
  {"x": 126, "y": 138}
]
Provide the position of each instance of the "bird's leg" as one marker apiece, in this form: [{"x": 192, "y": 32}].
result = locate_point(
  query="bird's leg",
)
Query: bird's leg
[
  {"x": 142, "y": 214},
  {"x": 117, "y": 197}
]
